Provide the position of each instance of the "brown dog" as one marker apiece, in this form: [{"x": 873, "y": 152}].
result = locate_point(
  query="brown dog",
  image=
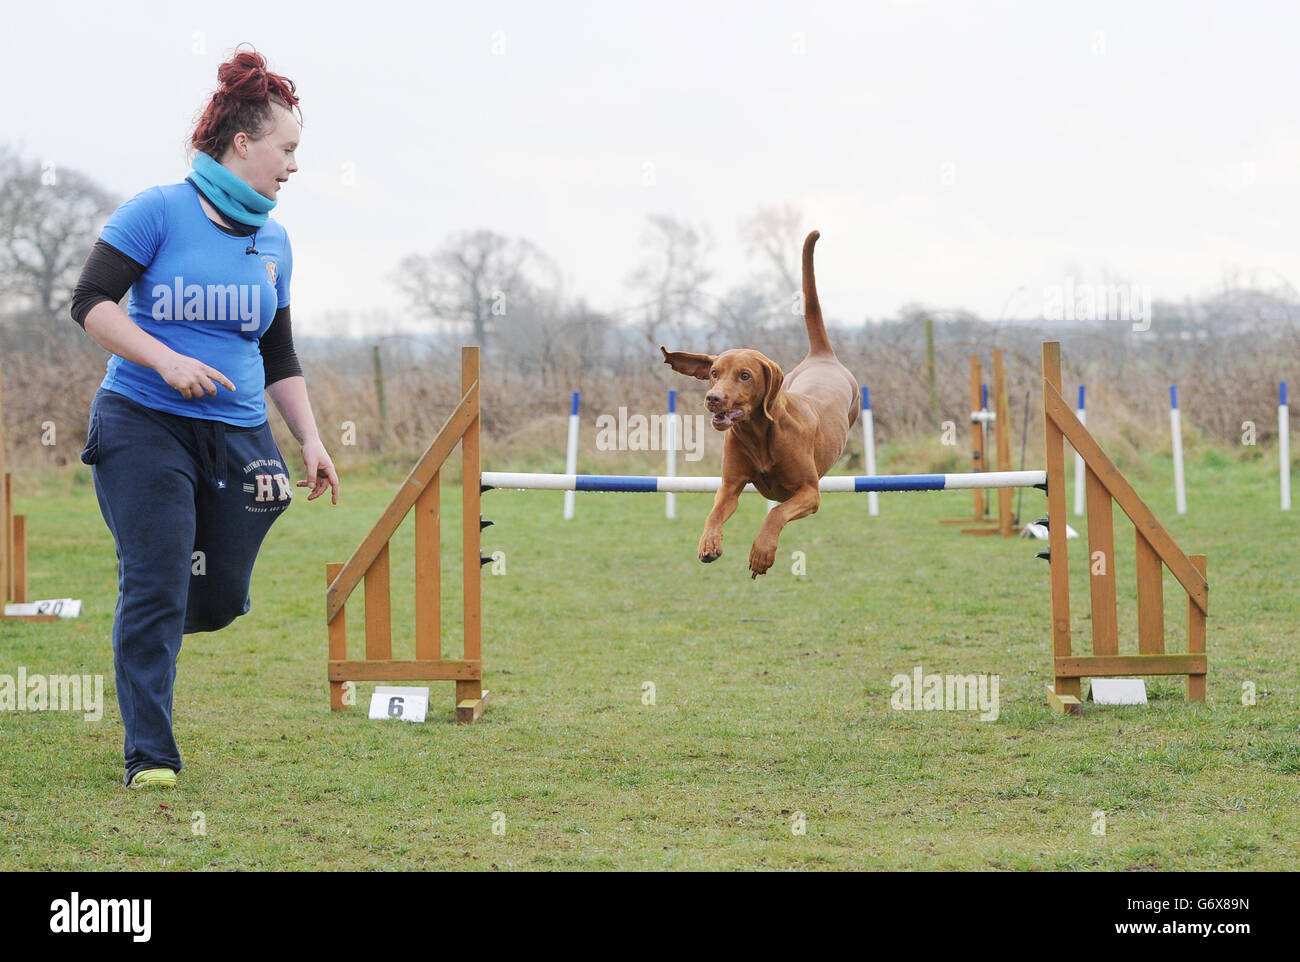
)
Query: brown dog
[{"x": 786, "y": 431}]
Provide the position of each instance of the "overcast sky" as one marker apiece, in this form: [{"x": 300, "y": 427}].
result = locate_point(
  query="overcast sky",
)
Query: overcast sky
[{"x": 953, "y": 154}]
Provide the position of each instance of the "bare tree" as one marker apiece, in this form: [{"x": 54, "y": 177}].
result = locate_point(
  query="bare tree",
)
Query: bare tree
[
  {"x": 49, "y": 219},
  {"x": 672, "y": 276},
  {"x": 774, "y": 236},
  {"x": 476, "y": 278}
]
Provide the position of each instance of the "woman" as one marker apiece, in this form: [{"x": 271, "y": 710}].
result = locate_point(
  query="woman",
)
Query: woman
[{"x": 187, "y": 473}]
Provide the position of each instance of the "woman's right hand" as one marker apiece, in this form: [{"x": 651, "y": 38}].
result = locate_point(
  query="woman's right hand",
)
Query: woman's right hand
[{"x": 191, "y": 377}]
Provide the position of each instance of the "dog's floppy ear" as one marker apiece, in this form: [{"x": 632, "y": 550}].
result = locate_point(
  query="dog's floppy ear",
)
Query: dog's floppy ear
[
  {"x": 692, "y": 365},
  {"x": 775, "y": 378}
]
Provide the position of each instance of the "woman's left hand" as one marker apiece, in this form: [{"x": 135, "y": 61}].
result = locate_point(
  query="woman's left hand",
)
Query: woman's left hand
[{"x": 320, "y": 471}]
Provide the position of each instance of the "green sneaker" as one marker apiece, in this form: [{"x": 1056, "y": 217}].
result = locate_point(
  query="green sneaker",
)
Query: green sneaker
[{"x": 154, "y": 778}]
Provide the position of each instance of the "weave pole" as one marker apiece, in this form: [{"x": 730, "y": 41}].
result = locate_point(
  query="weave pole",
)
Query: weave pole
[
  {"x": 1284, "y": 445},
  {"x": 571, "y": 454},
  {"x": 1078, "y": 461},
  {"x": 1176, "y": 434},
  {"x": 869, "y": 449},
  {"x": 670, "y": 499}
]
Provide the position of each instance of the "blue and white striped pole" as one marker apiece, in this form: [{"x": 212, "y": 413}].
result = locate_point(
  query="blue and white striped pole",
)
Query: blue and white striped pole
[
  {"x": 670, "y": 499},
  {"x": 869, "y": 448},
  {"x": 571, "y": 457},
  {"x": 836, "y": 484},
  {"x": 1284, "y": 445},
  {"x": 1176, "y": 429},
  {"x": 1078, "y": 462}
]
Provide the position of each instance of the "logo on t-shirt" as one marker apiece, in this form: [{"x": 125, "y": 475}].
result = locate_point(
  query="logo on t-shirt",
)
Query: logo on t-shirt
[{"x": 270, "y": 269}]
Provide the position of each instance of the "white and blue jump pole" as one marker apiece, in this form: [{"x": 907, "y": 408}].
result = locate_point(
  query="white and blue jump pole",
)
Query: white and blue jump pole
[
  {"x": 1078, "y": 462},
  {"x": 834, "y": 484},
  {"x": 1284, "y": 445},
  {"x": 670, "y": 499},
  {"x": 869, "y": 449},
  {"x": 571, "y": 456},
  {"x": 1176, "y": 430}
]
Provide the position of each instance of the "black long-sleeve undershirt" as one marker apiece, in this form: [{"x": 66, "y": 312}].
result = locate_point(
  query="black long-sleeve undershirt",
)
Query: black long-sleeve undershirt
[{"x": 108, "y": 274}]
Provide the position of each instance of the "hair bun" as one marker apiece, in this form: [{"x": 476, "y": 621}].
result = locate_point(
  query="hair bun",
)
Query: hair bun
[{"x": 246, "y": 89}]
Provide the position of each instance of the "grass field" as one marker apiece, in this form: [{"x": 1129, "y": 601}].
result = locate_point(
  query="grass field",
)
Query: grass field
[{"x": 772, "y": 698}]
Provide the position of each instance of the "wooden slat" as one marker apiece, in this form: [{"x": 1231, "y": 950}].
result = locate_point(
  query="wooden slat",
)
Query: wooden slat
[
  {"x": 1196, "y": 638},
  {"x": 1101, "y": 587},
  {"x": 977, "y": 433},
  {"x": 1059, "y": 413},
  {"x": 471, "y": 709},
  {"x": 471, "y": 689},
  {"x": 1064, "y": 704},
  {"x": 18, "y": 559},
  {"x": 379, "y": 625},
  {"x": 456, "y": 670},
  {"x": 1054, "y": 451},
  {"x": 1150, "y": 599},
  {"x": 338, "y": 635},
  {"x": 1004, "y": 441},
  {"x": 6, "y": 539},
  {"x": 465, "y": 414},
  {"x": 428, "y": 572},
  {"x": 1118, "y": 665}
]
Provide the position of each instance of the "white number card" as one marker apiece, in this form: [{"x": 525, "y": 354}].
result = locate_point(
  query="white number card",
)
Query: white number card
[
  {"x": 63, "y": 607},
  {"x": 402, "y": 704}
]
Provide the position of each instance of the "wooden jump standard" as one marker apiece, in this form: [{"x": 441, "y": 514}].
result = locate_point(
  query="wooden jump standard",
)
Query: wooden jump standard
[
  {"x": 13, "y": 539},
  {"x": 370, "y": 562},
  {"x": 1155, "y": 548}
]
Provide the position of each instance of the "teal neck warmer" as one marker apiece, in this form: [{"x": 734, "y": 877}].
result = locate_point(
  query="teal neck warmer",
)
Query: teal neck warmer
[{"x": 228, "y": 193}]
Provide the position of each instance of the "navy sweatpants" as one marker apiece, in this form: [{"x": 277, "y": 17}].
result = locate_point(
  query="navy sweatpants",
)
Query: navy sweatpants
[{"x": 188, "y": 502}]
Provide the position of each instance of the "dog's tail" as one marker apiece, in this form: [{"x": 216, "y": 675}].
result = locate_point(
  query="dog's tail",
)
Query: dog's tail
[{"x": 818, "y": 342}]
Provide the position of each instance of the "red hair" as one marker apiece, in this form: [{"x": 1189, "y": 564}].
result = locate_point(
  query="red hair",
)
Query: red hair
[{"x": 243, "y": 102}]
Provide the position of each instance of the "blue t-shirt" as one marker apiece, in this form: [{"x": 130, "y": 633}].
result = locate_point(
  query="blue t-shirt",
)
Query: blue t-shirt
[{"x": 202, "y": 295}]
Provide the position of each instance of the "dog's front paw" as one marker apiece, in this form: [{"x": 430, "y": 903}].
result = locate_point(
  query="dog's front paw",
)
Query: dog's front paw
[
  {"x": 761, "y": 557},
  {"x": 710, "y": 546}
]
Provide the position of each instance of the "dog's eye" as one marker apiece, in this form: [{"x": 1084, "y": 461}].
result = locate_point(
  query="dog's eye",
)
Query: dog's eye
[
  {"x": 713, "y": 374},
  {"x": 744, "y": 375}
]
